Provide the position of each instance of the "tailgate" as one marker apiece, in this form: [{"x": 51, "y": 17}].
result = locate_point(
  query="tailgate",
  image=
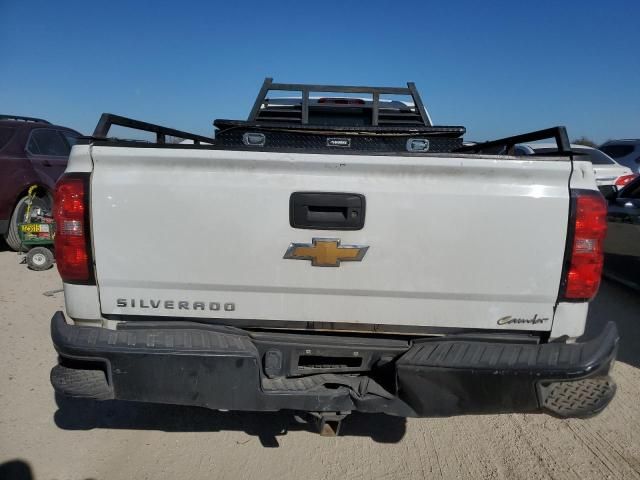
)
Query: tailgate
[{"x": 453, "y": 241}]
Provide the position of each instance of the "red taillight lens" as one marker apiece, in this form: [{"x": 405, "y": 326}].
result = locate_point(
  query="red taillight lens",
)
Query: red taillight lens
[
  {"x": 624, "y": 179},
  {"x": 72, "y": 235},
  {"x": 587, "y": 257}
]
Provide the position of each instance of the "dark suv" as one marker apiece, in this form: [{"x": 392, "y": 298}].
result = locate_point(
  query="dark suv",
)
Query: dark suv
[{"x": 32, "y": 152}]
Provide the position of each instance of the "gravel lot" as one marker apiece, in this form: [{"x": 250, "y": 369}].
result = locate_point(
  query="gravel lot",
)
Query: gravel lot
[{"x": 61, "y": 439}]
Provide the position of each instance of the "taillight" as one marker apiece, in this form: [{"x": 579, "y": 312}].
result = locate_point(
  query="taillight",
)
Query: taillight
[
  {"x": 624, "y": 179},
  {"x": 71, "y": 214},
  {"x": 584, "y": 265}
]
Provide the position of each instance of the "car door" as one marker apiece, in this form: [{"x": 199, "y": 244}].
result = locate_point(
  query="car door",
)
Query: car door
[
  {"x": 622, "y": 245},
  {"x": 48, "y": 150},
  {"x": 12, "y": 171}
]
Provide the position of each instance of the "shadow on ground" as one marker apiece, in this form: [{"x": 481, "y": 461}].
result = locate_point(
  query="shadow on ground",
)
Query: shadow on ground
[
  {"x": 3, "y": 245},
  {"x": 16, "y": 470},
  {"x": 75, "y": 414},
  {"x": 621, "y": 304}
]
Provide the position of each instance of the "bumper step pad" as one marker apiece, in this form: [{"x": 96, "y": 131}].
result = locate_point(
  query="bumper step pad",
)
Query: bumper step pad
[
  {"x": 78, "y": 383},
  {"x": 580, "y": 398}
]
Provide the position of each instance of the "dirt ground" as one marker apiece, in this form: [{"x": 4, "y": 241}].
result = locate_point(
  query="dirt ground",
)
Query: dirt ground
[{"x": 58, "y": 439}]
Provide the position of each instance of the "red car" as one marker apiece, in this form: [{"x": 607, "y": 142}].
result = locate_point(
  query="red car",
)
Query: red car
[{"x": 32, "y": 152}]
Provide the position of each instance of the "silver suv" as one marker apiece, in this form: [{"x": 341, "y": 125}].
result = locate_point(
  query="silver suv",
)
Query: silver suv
[{"x": 625, "y": 152}]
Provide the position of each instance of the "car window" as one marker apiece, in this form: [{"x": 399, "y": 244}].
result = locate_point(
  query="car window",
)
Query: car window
[
  {"x": 617, "y": 151},
  {"x": 32, "y": 145},
  {"x": 45, "y": 141},
  {"x": 5, "y": 135},
  {"x": 70, "y": 137}
]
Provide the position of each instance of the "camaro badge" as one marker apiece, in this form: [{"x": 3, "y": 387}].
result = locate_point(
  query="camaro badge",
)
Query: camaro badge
[{"x": 326, "y": 252}]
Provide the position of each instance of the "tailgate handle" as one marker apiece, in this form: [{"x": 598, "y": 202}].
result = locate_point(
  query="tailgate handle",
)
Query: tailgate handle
[{"x": 327, "y": 210}]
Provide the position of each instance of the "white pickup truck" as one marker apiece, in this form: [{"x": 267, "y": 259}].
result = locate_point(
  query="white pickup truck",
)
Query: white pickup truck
[{"x": 331, "y": 255}]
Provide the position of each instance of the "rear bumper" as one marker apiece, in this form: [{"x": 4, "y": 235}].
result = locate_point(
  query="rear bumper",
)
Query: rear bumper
[{"x": 226, "y": 368}]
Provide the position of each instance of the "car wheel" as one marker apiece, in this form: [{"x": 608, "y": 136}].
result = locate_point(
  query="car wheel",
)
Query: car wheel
[
  {"x": 40, "y": 258},
  {"x": 12, "y": 236}
]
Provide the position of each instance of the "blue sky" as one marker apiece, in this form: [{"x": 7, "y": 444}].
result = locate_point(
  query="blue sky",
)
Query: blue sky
[{"x": 499, "y": 68}]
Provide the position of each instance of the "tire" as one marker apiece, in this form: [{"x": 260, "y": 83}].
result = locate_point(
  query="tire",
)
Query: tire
[
  {"x": 12, "y": 236},
  {"x": 39, "y": 259}
]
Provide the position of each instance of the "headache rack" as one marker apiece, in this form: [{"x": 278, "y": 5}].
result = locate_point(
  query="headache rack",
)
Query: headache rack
[{"x": 268, "y": 110}]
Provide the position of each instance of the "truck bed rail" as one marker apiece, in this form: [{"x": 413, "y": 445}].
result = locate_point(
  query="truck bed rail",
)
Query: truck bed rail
[
  {"x": 107, "y": 120},
  {"x": 502, "y": 146}
]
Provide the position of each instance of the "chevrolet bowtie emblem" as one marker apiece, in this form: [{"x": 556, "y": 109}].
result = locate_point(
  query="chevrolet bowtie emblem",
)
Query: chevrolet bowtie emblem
[{"x": 326, "y": 252}]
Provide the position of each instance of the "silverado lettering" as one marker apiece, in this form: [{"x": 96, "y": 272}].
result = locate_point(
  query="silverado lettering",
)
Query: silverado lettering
[{"x": 171, "y": 304}]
